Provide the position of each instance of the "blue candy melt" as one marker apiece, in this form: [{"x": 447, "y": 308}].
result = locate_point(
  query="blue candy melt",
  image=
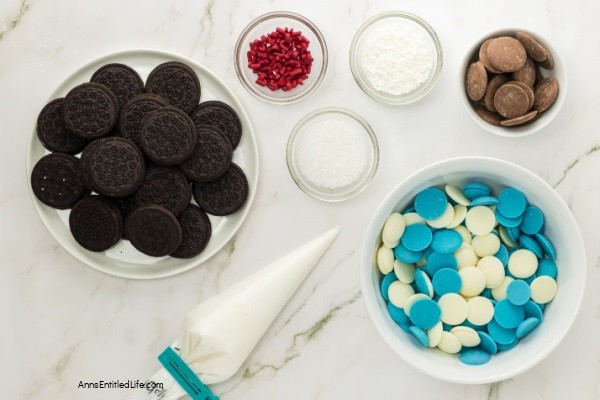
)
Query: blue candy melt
[
  {"x": 501, "y": 335},
  {"x": 527, "y": 326},
  {"x": 502, "y": 255},
  {"x": 533, "y": 220},
  {"x": 529, "y": 243},
  {"x": 423, "y": 282},
  {"x": 473, "y": 193},
  {"x": 478, "y": 186},
  {"x": 475, "y": 327},
  {"x": 431, "y": 203},
  {"x": 474, "y": 357},
  {"x": 514, "y": 233},
  {"x": 445, "y": 241},
  {"x": 511, "y": 203},
  {"x": 399, "y": 316},
  {"x": 385, "y": 284},
  {"x": 487, "y": 343},
  {"x": 508, "y": 315},
  {"x": 487, "y": 293},
  {"x": 425, "y": 313},
  {"x": 437, "y": 261},
  {"x": 484, "y": 201},
  {"x": 533, "y": 310},
  {"x": 446, "y": 280},
  {"x": 506, "y": 347},
  {"x": 546, "y": 245},
  {"x": 547, "y": 267},
  {"x": 420, "y": 335},
  {"x": 508, "y": 222},
  {"x": 407, "y": 256},
  {"x": 417, "y": 237},
  {"x": 518, "y": 292}
]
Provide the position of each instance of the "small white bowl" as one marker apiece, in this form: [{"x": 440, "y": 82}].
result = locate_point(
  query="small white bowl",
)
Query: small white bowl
[
  {"x": 559, "y": 315},
  {"x": 546, "y": 117}
]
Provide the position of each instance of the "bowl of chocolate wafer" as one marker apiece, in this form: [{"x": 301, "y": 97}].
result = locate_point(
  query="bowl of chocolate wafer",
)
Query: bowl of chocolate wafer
[{"x": 512, "y": 82}]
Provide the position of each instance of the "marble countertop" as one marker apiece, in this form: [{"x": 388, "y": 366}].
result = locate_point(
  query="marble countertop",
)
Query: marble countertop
[{"x": 63, "y": 322}]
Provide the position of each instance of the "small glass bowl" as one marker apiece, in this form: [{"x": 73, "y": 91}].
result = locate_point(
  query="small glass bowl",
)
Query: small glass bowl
[
  {"x": 268, "y": 23},
  {"x": 345, "y": 192},
  {"x": 357, "y": 49}
]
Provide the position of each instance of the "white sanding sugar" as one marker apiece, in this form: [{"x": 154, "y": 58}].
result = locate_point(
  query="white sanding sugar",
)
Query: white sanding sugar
[
  {"x": 397, "y": 59},
  {"x": 332, "y": 153}
]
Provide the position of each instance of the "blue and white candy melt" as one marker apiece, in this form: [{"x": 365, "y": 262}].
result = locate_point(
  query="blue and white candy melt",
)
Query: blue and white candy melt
[{"x": 466, "y": 271}]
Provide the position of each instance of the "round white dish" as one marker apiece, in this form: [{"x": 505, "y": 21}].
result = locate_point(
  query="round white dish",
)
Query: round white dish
[
  {"x": 123, "y": 259},
  {"x": 561, "y": 229}
]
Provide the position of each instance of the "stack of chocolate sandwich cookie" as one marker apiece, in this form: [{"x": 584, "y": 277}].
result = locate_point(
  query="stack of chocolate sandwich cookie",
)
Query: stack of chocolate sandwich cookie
[{"x": 141, "y": 162}]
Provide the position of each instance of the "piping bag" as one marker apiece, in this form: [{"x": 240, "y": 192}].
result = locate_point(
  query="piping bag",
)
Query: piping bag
[{"x": 219, "y": 333}]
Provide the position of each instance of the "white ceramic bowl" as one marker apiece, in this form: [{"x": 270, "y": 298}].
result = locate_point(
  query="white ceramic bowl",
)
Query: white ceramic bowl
[
  {"x": 561, "y": 229},
  {"x": 546, "y": 117}
]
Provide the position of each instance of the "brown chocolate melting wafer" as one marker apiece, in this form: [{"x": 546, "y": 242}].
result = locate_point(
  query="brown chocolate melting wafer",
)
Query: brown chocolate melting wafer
[
  {"x": 476, "y": 81},
  {"x": 511, "y": 101},
  {"x": 506, "y": 54},
  {"x": 519, "y": 120}
]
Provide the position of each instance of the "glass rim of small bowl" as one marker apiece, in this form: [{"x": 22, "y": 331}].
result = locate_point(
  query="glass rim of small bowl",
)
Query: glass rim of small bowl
[
  {"x": 320, "y": 195},
  {"x": 240, "y": 63},
  {"x": 407, "y": 98}
]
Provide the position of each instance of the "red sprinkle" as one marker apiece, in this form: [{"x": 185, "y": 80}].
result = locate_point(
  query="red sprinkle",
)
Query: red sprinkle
[{"x": 281, "y": 59}]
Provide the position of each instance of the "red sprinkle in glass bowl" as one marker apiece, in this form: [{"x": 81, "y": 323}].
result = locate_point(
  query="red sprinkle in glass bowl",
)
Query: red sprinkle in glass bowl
[{"x": 264, "y": 25}]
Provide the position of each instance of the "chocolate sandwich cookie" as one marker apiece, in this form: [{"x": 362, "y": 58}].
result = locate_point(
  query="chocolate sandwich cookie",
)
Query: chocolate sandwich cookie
[
  {"x": 126, "y": 205},
  {"x": 95, "y": 223},
  {"x": 168, "y": 136},
  {"x": 153, "y": 230},
  {"x": 121, "y": 79},
  {"x": 177, "y": 83},
  {"x": 164, "y": 186},
  {"x": 220, "y": 116},
  {"x": 90, "y": 111},
  {"x": 225, "y": 195},
  {"x": 113, "y": 166},
  {"x": 53, "y": 133},
  {"x": 211, "y": 157},
  {"x": 196, "y": 230},
  {"x": 56, "y": 180},
  {"x": 134, "y": 111}
]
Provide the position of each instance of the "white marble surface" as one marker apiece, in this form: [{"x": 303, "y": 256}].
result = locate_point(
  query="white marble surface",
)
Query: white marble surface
[{"x": 63, "y": 322}]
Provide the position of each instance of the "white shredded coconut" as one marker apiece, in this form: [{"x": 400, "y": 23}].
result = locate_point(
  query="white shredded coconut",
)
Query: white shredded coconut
[
  {"x": 398, "y": 59},
  {"x": 332, "y": 153}
]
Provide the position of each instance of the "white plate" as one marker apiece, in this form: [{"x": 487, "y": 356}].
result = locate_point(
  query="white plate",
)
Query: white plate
[{"x": 123, "y": 259}]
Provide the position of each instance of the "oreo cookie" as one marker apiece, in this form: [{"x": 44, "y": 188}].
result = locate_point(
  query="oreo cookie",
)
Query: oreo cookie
[
  {"x": 126, "y": 205},
  {"x": 56, "y": 180},
  {"x": 211, "y": 157},
  {"x": 121, "y": 79},
  {"x": 153, "y": 230},
  {"x": 113, "y": 166},
  {"x": 134, "y": 111},
  {"x": 90, "y": 111},
  {"x": 196, "y": 230},
  {"x": 53, "y": 133},
  {"x": 164, "y": 186},
  {"x": 168, "y": 136},
  {"x": 220, "y": 116},
  {"x": 225, "y": 195},
  {"x": 95, "y": 223},
  {"x": 177, "y": 83}
]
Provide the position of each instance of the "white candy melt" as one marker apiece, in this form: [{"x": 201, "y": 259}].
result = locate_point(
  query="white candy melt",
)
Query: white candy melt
[
  {"x": 543, "y": 289},
  {"x": 404, "y": 272},
  {"x": 385, "y": 259},
  {"x": 466, "y": 257},
  {"x": 480, "y": 220},
  {"x": 444, "y": 220},
  {"x": 449, "y": 343},
  {"x": 468, "y": 337},
  {"x": 460, "y": 212},
  {"x": 464, "y": 233},
  {"x": 522, "y": 263},
  {"x": 454, "y": 308},
  {"x": 457, "y": 195},
  {"x": 499, "y": 293},
  {"x": 393, "y": 230},
  {"x": 505, "y": 238},
  {"x": 399, "y": 292},
  {"x": 493, "y": 269},
  {"x": 413, "y": 218},
  {"x": 473, "y": 281},
  {"x": 486, "y": 245},
  {"x": 435, "y": 334},
  {"x": 481, "y": 310}
]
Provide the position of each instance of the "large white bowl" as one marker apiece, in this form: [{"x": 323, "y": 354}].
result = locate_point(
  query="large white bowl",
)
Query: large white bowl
[
  {"x": 561, "y": 229},
  {"x": 546, "y": 117}
]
